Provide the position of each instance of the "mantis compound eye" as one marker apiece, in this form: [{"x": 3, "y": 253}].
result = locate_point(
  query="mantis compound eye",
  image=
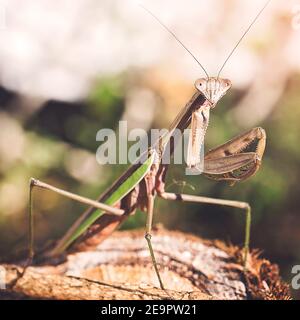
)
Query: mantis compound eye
[
  {"x": 200, "y": 84},
  {"x": 227, "y": 83}
]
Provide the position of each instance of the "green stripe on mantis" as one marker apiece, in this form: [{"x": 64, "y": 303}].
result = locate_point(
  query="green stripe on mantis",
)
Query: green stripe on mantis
[{"x": 114, "y": 198}]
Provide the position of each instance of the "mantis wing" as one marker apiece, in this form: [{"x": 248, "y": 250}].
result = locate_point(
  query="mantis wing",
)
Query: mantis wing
[{"x": 118, "y": 191}]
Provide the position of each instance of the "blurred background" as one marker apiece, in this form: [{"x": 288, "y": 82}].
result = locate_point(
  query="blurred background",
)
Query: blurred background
[{"x": 70, "y": 68}]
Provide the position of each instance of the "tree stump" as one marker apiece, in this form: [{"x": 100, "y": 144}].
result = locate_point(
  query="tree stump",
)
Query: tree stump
[{"x": 121, "y": 268}]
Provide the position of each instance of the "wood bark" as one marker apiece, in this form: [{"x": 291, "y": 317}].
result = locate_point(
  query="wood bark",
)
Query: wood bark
[{"x": 120, "y": 268}]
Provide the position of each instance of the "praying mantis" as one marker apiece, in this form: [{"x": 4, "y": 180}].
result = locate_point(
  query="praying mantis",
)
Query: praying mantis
[{"x": 233, "y": 161}]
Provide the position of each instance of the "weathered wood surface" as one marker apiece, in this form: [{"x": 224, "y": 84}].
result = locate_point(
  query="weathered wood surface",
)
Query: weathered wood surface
[{"x": 121, "y": 268}]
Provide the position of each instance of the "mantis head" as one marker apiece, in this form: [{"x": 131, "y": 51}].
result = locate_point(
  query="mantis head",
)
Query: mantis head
[{"x": 213, "y": 89}]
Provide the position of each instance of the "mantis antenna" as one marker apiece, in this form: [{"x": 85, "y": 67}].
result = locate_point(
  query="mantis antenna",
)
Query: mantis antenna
[
  {"x": 243, "y": 36},
  {"x": 176, "y": 38}
]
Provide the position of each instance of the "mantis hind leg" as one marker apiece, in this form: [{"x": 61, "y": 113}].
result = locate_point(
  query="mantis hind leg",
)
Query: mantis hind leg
[
  {"x": 29, "y": 259},
  {"x": 230, "y": 203},
  {"x": 36, "y": 183},
  {"x": 31, "y": 226},
  {"x": 148, "y": 237}
]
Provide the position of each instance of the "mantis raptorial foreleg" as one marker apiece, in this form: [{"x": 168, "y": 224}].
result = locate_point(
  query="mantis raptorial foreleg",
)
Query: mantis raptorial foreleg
[
  {"x": 231, "y": 162},
  {"x": 237, "y": 159}
]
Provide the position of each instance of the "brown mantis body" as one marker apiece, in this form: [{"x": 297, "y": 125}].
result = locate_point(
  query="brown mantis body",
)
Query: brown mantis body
[
  {"x": 234, "y": 161},
  {"x": 227, "y": 162}
]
